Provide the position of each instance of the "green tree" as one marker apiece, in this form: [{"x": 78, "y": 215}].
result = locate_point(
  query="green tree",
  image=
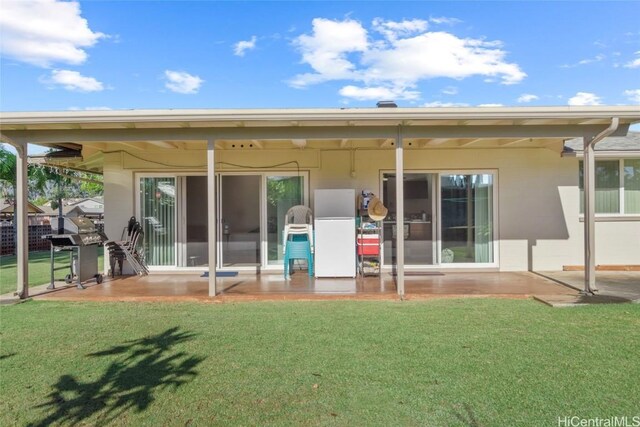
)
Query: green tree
[
  {"x": 47, "y": 183},
  {"x": 8, "y": 174},
  {"x": 8, "y": 168},
  {"x": 90, "y": 189}
]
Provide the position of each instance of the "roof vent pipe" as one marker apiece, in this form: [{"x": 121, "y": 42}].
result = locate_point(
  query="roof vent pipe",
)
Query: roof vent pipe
[{"x": 386, "y": 104}]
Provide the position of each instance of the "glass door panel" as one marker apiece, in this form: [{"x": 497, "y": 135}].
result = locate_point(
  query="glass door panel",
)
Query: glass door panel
[
  {"x": 196, "y": 221},
  {"x": 419, "y": 219},
  {"x": 467, "y": 218},
  {"x": 158, "y": 213},
  {"x": 240, "y": 219},
  {"x": 283, "y": 192}
]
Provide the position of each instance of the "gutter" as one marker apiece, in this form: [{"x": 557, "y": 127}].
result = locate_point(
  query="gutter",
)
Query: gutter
[
  {"x": 615, "y": 121},
  {"x": 589, "y": 206},
  {"x": 194, "y": 116},
  {"x": 612, "y": 154}
]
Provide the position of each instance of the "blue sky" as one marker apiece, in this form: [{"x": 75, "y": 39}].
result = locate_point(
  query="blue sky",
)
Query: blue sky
[{"x": 123, "y": 55}]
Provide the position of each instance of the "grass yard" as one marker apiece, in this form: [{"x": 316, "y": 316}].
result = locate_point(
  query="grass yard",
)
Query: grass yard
[
  {"x": 460, "y": 362},
  {"x": 39, "y": 268}
]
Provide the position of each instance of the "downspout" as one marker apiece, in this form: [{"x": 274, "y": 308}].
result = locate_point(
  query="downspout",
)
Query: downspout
[{"x": 589, "y": 185}]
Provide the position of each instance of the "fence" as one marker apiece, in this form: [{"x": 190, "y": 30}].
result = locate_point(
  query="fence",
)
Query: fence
[{"x": 36, "y": 242}]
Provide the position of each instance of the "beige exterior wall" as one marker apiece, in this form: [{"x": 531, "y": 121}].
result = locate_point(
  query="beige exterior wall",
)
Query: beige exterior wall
[{"x": 537, "y": 193}]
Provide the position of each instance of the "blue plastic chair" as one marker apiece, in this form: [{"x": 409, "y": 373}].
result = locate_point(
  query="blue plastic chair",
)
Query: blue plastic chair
[{"x": 297, "y": 246}]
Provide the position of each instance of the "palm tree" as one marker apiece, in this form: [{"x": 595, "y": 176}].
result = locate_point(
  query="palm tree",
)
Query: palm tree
[
  {"x": 44, "y": 181},
  {"x": 38, "y": 177},
  {"x": 8, "y": 168},
  {"x": 8, "y": 173}
]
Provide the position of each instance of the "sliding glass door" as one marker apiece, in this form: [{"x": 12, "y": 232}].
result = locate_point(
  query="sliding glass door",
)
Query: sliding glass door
[
  {"x": 467, "y": 218},
  {"x": 251, "y": 210},
  {"x": 282, "y": 193},
  {"x": 157, "y": 196},
  {"x": 448, "y": 219},
  {"x": 240, "y": 220},
  {"x": 196, "y": 226},
  {"x": 419, "y": 230}
]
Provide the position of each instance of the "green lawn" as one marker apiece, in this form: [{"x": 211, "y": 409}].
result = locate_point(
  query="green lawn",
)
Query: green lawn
[
  {"x": 460, "y": 362},
  {"x": 39, "y": 269}
]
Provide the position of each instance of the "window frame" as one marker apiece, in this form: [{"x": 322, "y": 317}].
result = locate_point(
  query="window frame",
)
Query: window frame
[{"x": 621, "y": 215}]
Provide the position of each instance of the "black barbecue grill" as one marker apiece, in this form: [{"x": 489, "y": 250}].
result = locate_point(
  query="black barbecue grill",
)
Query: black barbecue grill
[{"x": 79, "y": 237}]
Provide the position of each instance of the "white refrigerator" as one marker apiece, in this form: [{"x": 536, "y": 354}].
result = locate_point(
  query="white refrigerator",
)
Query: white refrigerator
[{"x": 335, "y": 233}]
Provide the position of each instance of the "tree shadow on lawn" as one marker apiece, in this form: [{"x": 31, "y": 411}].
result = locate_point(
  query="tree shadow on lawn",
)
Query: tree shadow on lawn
[
  {"x": 468, "y": 418},
  {"x": 145, "y": 366}
]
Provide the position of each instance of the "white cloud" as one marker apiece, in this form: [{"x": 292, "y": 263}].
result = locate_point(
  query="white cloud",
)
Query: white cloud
[
  {"x": 527, "y": 97},
  {"x": 43, "y": 32},
  {"x": 444, "y": 20},
  {"x": 635, "y": 63},
  {"x": 584, "y": 98},
  {"x": 450, "y": 90},
  {"x": 392, "y": 30},
  {"x": 378, "y": 93},
  {"x": 73, "y": 81},
  {"x": 586, "y": 61},
  {"x": 242, "y": 46},
  {"x": 182, "y": 82},
  {"x": 327, "y": 48},
  {"x": 490, "y": 105},
  {"x": 405, "y": 54},
  {"x": 633, "y": 95},
  {"x": 444, "y": 104},
  {"x": 438, "y": 54}
]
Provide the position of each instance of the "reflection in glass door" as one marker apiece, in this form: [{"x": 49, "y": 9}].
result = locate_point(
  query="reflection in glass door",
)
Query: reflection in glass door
[
  {"x": 240, "y": 219},
  {"x": 196, "y": 222},
  {"x": 283, "y": 192},
  {"x": 157, "y": 214},
  {"x": 467, "y": 218},
  {"x": 419, "y": 218}
]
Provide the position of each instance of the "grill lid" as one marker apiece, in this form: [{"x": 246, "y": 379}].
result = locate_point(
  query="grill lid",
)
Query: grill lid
[{"x": 76, "y": 225}]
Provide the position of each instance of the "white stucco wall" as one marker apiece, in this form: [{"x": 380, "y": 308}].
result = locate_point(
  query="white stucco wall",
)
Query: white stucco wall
[{"x": 538, "y": 197}]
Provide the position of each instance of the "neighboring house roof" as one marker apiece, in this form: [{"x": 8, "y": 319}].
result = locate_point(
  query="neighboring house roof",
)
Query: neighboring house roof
[
  {"x": 85, "y": 210},
  {"x": 6, "y": 207},
  {"x": 87, "y": 201},
  {"x": 79, "y": 210},
  {"x": 629, "y": 143},
  {"x": 47, "y": 209}
]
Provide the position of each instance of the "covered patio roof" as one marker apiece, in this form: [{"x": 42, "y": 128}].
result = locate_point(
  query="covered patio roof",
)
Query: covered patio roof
[
  {"x": 90, "y": 133},
  {"x": 95, "y": 132}
]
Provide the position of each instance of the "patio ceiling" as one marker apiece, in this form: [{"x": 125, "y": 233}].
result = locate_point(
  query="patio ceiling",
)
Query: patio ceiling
[{"x": 135, "y": 131}]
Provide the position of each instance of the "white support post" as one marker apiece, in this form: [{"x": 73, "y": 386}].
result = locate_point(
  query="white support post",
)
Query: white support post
[
  {"x": 22, "y": 225},
  {"x": 211, "y": 217},
  {"x": 399, "y": 213},
  {"x": 589, "y": 185}
]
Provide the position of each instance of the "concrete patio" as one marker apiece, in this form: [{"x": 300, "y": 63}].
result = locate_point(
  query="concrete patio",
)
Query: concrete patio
[
  {"x": 187, "y": 287},
  {"x": 613, "y": 287}
]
